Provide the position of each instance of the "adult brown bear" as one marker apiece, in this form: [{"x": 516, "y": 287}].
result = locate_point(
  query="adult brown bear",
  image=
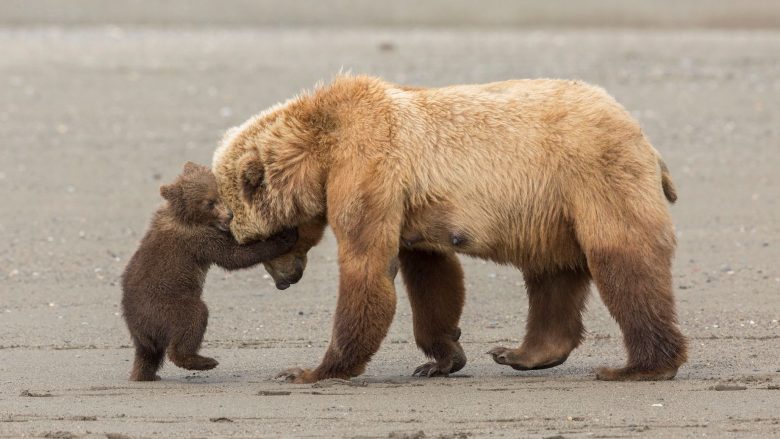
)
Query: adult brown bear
[{"x": 552, "y": 176}]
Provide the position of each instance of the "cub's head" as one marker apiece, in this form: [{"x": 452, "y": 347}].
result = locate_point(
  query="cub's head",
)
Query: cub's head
[{"x": 194, "y": 198}]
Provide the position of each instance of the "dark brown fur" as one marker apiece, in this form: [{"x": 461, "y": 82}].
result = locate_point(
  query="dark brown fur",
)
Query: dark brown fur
[
  {"x": 163, "y": 281},
  {"x": 434, "y": 283}
]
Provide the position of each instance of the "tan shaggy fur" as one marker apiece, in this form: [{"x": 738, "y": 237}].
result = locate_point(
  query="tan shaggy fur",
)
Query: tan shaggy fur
[{"x": 551, "y": 176}]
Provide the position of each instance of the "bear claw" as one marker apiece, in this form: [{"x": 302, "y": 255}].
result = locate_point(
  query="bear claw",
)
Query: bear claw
[
  {"x": 194, "y": 362},
  {"x": 432, "y": 369},
  {"x": 499, "y": 355},
  {"x": 296, "y": 375},
  {"x": 510, "y": 357},
  {"x": 634, "y": 374}
]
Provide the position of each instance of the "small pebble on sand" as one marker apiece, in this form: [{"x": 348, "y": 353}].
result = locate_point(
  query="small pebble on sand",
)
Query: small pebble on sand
[{"x": 727, "y": 387}]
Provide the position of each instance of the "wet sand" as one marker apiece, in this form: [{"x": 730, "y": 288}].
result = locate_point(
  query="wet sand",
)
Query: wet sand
[{"x": 94, "y": 119}]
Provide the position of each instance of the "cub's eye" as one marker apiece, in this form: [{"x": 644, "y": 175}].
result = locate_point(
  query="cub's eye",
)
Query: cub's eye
[{"x": 211, "y": 204}]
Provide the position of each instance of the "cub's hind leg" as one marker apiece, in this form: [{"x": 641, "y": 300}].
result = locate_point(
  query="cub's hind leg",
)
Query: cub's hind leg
[
  {"x": 434, "y": 283},
  {"x": 554, "y": 326},
  {"x": 187, "y": 335},
  {"x": 149, "y": 355}
]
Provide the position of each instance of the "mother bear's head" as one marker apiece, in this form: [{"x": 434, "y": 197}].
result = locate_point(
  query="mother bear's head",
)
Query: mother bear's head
[{"x": 271, "y": 174}]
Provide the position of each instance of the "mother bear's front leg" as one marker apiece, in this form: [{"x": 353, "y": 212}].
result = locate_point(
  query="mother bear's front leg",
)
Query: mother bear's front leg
[
  {"x": 365, "y": 309},
  {"x": 367, "y": 229}
]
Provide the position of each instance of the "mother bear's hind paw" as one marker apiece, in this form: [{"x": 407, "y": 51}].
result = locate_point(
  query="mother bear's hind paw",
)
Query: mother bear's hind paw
[
  {"x": 296, "y": 375},
  {"x": 634, "y": 374},
  {"x": 433, "y": 369},
  {"x": 520, "y": 359},
  {"x": 448, "y": 361}
]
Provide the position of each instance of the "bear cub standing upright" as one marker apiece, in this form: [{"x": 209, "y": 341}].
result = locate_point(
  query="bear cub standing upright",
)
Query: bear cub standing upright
[{"x": 163, "y": 281}]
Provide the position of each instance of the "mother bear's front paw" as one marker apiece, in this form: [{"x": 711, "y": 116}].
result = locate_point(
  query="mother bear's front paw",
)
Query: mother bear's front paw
[{"x": 296, "y": 375}]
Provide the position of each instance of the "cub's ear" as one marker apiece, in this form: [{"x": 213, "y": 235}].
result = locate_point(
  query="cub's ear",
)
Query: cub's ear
[
  {"x": 191, "y": 167},
  {"x": 170, "y": 191},
  {"x": 252, "y": 176}
]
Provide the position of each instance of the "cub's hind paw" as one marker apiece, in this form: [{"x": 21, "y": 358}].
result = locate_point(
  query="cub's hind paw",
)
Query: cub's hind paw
[
  {"x": 139, "y": 377},
  {"x": 205, "y": 363},
  {"x": 195, "y": 362}
]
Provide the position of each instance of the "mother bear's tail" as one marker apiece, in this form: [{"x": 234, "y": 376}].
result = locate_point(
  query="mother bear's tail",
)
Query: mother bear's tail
[{"x": 666, "y": 182}]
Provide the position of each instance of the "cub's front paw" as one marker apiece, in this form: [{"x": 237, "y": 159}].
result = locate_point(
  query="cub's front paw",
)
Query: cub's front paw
[
  {"x": 296, "y": 375},
  {"x": 286, "y": 238}
]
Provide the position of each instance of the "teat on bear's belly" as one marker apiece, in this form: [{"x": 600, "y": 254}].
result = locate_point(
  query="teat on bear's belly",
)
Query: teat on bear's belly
[{"x": 442, "y": 239}]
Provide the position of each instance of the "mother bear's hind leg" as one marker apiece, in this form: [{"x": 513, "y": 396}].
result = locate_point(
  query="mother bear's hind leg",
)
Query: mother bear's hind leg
[
  {"x": 554, "y": 326},
  {"x": 636, "y": 286},
  {"x": 434, "y": 283}
]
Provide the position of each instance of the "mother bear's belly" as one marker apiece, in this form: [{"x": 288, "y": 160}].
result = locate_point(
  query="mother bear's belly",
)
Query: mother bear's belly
[{"x": 528, "y": 240}]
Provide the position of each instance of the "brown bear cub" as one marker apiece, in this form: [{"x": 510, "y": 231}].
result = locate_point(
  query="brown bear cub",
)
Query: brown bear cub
[{"x": 163, "y": 281}]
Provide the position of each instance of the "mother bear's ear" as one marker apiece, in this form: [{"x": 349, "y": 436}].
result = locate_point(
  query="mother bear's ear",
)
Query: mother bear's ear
[{"x": 252, "y": 176}]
